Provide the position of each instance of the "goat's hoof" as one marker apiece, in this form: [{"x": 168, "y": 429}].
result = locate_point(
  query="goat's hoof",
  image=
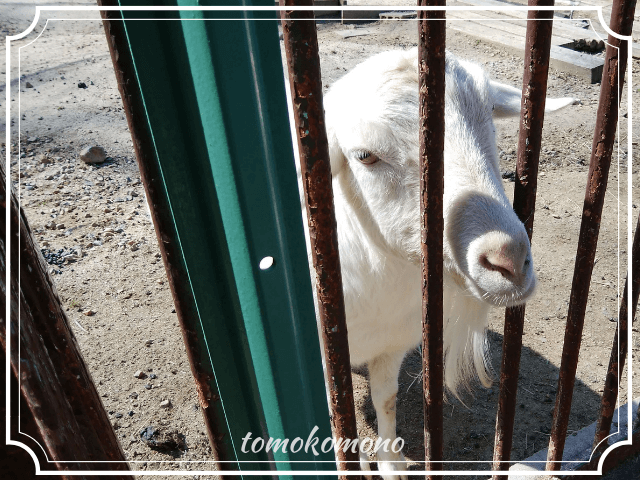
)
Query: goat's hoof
[
  {"x": 388, "y": 468},
  {"x": 365, "y": 464}
]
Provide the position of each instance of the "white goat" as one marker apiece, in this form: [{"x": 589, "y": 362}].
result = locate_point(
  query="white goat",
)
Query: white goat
[{"x": 372, "y": 126}]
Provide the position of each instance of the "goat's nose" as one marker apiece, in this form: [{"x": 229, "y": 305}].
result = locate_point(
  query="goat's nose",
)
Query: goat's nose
[{"x": 501, "y": 261}]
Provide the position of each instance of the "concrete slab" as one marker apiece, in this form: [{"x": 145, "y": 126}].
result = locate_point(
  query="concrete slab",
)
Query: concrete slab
[{"x": 577, "y": 450}]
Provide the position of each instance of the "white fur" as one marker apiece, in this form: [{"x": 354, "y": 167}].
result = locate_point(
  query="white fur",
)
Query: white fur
[{"x": 487, "y": 257}]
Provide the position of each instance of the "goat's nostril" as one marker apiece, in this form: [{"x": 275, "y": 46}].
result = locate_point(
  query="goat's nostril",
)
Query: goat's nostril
[{"x": 499, "y": 263}]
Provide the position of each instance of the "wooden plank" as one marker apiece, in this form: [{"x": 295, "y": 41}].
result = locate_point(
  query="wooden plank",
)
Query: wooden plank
[
  {"x": 582, "y": 65},
  {"x": 560, "y": 27},
  {"x": 395, "y": 15},
  {"x": 519, "y": 29}
]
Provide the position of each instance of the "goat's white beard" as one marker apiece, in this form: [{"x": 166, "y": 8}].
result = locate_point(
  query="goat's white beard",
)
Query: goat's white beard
[{"x": 464, "y": 339}]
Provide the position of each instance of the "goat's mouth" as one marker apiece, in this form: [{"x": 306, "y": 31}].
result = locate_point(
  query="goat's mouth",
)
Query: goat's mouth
[{"x": 509, "y": 296}]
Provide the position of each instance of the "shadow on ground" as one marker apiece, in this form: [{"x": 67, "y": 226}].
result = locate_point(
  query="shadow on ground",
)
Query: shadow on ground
[{"x": 469, "y": 422}]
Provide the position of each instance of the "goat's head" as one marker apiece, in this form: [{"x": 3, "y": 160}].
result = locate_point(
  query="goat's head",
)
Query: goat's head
[{"x": 372, "y": 123}]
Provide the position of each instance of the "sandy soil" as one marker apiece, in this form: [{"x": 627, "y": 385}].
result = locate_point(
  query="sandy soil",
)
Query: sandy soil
[{"x": 115, "y": 290}]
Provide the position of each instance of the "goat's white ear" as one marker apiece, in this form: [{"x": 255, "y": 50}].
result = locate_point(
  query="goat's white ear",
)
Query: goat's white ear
[{"x": 507, "y": 99}]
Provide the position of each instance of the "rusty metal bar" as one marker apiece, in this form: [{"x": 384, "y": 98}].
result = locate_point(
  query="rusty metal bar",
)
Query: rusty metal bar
[
  {"x": 54, "y": 381},
  {"x": 431, "y": 65},
  {"x": 534, "y": 90},
  {"x": 303, "y": 61},
  {"x": 208, "y": 396},
  {"x": 16, "y": 462},
  {"x": 618, "y": 350},
  {"x": 602, "y": 147}
]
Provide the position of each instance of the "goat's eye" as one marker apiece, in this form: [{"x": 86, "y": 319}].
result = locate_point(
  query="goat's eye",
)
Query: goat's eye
[{"x": 365, "y": 157}]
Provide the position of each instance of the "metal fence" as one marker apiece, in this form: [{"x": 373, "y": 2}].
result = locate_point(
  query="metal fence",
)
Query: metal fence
[{"x": 537, "y": 53}]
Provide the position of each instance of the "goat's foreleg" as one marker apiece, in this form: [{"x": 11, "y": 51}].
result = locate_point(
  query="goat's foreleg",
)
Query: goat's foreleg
[{"x": 383, "y": 378}]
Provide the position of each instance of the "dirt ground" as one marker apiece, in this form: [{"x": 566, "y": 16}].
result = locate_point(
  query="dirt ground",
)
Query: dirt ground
[{"x": 94, "y": 228}]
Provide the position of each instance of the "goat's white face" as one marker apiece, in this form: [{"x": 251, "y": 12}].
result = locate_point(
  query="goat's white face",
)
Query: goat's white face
[{"x": 374, "y": 154}]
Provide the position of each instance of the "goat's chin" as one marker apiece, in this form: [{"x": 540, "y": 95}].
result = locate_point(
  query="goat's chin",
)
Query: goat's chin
[{"x": 503, "y": 294}]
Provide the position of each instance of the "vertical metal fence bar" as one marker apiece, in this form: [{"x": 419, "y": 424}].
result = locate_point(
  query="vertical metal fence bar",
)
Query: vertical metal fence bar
[
  {"x": 619, "y": 348},
  {"x": 56, "y": 386},
  {"x": 205, "y": 87},
  {"x": 431, "y": 65},
  {"x": 534, "y": 89},
  {"x": 604, "y": 136},
  {"x": 303, "y": 61}
]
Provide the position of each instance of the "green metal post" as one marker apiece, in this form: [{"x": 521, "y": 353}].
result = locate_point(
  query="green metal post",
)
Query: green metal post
[{"x": 213, "y": 91}]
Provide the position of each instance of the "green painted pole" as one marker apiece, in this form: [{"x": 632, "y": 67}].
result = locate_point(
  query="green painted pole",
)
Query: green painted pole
[{"x": 214, "y": 100}]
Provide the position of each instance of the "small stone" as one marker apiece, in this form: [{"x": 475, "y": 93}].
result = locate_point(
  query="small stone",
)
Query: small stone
[
  {"x": 148, "y": 343},
  {"x": 95, "y": 154},
  {"x": 89, "y": 313},
  {"x": 28, "y": 85},
  {"x": 133, "y": 247},
  {"x": 165, "y": 404},
  {"x": 60, "y": 226},
  {"x": 82, "y": 85},
  {"x": 153, "y": 376},
  {"x": 140, "y": 374},
  {"x": 148, "y": 386},
  {"x": 118, "y": 415},
  {"x": 509, "y": 175},
  {"x": 44, "y": 159}
]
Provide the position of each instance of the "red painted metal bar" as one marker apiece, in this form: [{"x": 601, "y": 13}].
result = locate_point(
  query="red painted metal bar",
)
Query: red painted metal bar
[
  {"x": 431, "y": 64},
  {"x": 303, "y": 61},
  {"x": 618, "y": 349},
  {"x": 152, "y": 180},
  {"x": 534, "y": 88},
  {"x": 55, "y": 384},
  {"x": 604, "y": 136}
]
